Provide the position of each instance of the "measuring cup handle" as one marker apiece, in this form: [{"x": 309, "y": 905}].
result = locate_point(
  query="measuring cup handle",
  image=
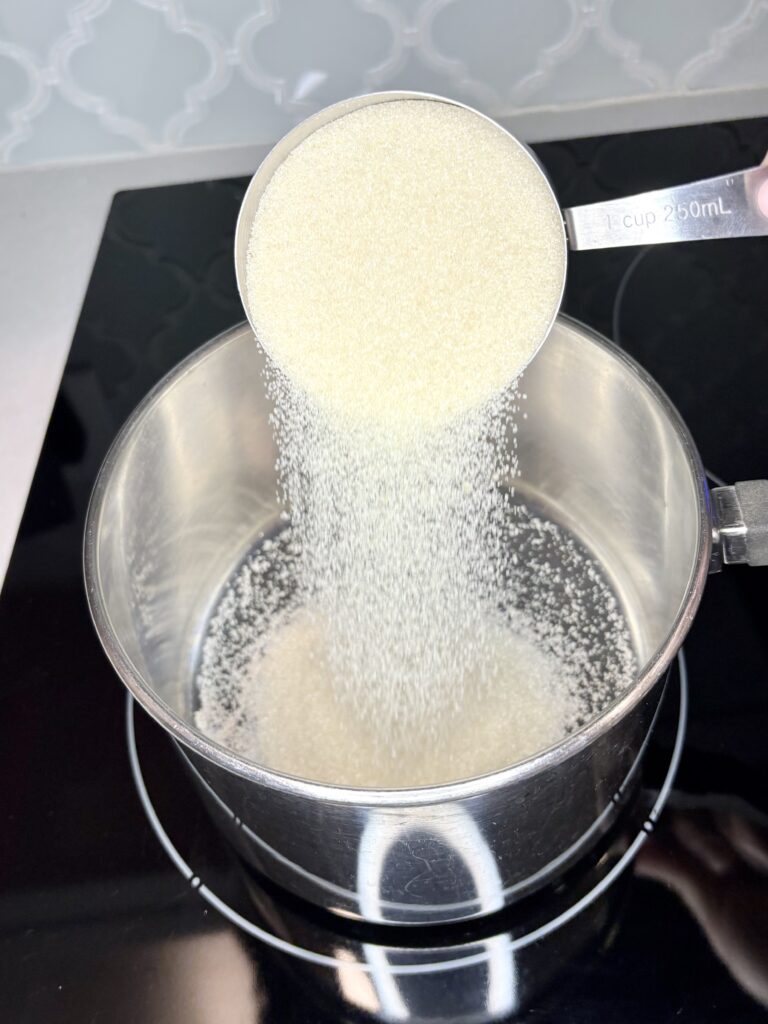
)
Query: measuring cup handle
[
  {"x": 740, "y": 524},
  {"x": 731, "y": 206}
]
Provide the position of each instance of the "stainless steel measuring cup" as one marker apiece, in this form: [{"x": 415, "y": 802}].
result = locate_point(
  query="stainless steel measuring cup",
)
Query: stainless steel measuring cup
[{"x": 730, "y": 206}]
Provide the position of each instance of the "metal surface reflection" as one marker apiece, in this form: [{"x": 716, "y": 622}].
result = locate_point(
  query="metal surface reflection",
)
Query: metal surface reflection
[{"x": 465, "y": 974}]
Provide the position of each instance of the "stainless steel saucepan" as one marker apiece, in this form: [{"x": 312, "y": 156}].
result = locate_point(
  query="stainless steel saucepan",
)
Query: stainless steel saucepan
[{"x": 181, "y": 498}]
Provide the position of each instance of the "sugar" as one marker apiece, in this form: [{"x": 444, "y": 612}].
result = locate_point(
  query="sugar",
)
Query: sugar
[
  {"x": 397, "y": 543},
  {"x": 345, "y": 746},
  {"x": 268, "y": 689},
  {"x": 405, "y": 263},
  {"x": 409, "y": 624}
]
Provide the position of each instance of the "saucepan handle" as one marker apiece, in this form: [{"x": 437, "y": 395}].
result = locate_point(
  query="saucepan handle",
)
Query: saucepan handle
[
  {"x": 740, "y": 524},
  {"x": 731, "y": 206}
]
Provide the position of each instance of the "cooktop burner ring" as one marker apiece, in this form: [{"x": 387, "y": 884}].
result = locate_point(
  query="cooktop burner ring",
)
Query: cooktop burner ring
[{"x": 445, "y": 963}]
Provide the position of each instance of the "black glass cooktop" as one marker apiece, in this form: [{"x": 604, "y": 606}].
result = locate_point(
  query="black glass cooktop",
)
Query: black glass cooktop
[{"x": 96, "y": 921}]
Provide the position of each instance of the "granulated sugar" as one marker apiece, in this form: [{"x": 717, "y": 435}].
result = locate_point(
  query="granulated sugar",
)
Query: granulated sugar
[
  {"x": 345, "y": 745},
  {"x": 409, "y": 625},
  {"x": 399, "y": 549},
  {"x": 405, "y": 262},
  {"x": 268, "y": 690}
]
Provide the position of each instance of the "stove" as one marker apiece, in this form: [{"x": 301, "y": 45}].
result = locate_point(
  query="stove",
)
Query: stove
[{"x": 120, "y": 902}]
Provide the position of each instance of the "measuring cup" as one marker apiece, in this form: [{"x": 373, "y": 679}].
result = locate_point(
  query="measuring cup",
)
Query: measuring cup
[{"x": 729, "y": 206}]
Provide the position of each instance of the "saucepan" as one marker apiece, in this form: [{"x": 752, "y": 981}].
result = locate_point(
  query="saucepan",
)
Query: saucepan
[{"x": 190, "y": 484}]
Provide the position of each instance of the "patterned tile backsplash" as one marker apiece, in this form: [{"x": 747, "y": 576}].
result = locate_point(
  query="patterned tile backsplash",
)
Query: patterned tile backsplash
[{"x": 95, "y": 78}]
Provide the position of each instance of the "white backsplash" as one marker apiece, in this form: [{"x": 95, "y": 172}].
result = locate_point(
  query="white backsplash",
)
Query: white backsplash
[{"x": 97, "y": 78}]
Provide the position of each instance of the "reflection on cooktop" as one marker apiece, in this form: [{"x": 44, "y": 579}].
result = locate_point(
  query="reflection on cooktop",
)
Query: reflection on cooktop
[{"x": 485, "y": 970}]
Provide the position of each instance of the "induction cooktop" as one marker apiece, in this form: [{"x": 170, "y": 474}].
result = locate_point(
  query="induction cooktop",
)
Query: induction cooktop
[{"x": 103, "y": 920}]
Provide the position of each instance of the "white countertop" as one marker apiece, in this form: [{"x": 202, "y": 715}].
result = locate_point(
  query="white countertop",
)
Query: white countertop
[{"x": 51, "y": 223}]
